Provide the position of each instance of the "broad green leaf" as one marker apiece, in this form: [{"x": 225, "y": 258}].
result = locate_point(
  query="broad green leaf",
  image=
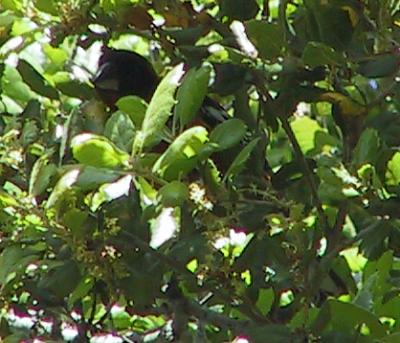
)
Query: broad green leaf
[
  {"x": 62, "y": 280},
  {"x": 121, "y": 319},
  {"x": 191, "y": 94},
  {"x": 304, "y": 129},
  {"x": 173, "y": 194},
  {"x": 13, "y": 259},
  {"x": 14, "y": 87},
  {"x": 41, "y": 174},
  {"x": 48, "y": 6},
  {"x": 318, "y": 54},
  {"x": 266, "y": 37},
  {"x": 135, "y": 107},
  {"x": 228, "y": 134},
  {"x": 90, "y": 178},
  {"x": 367, "y": 148},
  {"x": 334, "y": 24},
  {"x": 75, "y": 89},
  {"x": 392, "y": 174},
  {"x": 265, "y": 300},
  {"x": 380, "y": 65},
  {"x": 159, "y": 110},
  {"x": 57, "y": 56},
  {"x": 74, "y": 219},
  {"x": 7, "y": 199},
  {"x": 36, "y": 81},
  {"x": 239, "y": 9},
  {"x": 83, "y": 178},
  {"x": 241, "y": 158},
  {"x": 81, "y": 290},
  {"x": 184, "y": 147},
  {"x": 120, "y": 130},
  {"x": 97, "y": 151},
  {"x": 63, "y": 185},
  {"x": 354, "y": 316}
]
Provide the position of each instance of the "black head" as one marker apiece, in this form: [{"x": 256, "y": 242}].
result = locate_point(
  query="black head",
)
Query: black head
[{"x": 123, "y": 73}]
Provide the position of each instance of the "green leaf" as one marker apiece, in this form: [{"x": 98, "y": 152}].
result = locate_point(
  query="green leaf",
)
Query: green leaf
[
  {"x": 48, "y": 6},
  {"x": 266, "y": 37},
  {"x": 13, "y": 260},
  {"x": 318, "y": 54},
  {"x": 36, "y": 81},
  {"x": 7, "y": 199},
  {"x": 181, "y": 150},
  {"x": 41, "y": 174},
  {"x": 63, "y": 185},
  {"x": 173, "y": 194},
  {"x": 265, "y": 300},
  {"x": 355, "y": 316},
  {"x": 75, "y": 89},
  {"x": 74, "y": 219},
  {"x": 380, "y": 66},
  {"x": 57, "y": 56},
  {"x": 62, "y": 280},
  {"x": 81, "y": 290},
  {"x": 120, "y": 130},
  {"x": 97, "y": 151},
  {"x": 90, "y": 178},
  {"x": 239, "y": 9},
  {"x": 334, "y": 25},
  {"x": 392, "y": 174},
  {"x": 191, "y": 94},
  {"x": 228, "y": 134},
  {"x": 304, "y": 129},
  {"x": 270, "y": 333},
  {"x": 159, "y": 110},
  {"x": 241, "y": 158},
  {"x": 134, "y": 106},
  {"x": 367, "y": 148}
]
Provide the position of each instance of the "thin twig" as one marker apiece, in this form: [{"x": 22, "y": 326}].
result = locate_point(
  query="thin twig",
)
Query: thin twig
[{"x": 308, "y": 174}]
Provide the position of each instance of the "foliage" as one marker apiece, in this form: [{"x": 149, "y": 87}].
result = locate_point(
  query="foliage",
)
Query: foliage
[{"x": 279, "y": 225}]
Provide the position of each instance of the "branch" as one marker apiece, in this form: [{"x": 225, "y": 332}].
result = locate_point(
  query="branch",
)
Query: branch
[
  {"x": 245, "y": 308},
  {"x": 308, "y": 173}
]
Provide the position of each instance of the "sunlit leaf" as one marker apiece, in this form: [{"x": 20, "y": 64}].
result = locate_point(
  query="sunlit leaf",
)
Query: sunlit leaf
[
  {"x": 191, "y": 93},
  {"x": 97, "y": 151},
  {"x": 159, "y": 110}
]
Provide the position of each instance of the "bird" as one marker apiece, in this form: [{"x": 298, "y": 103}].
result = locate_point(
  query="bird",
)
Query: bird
[{"x": 122, "y": 73}]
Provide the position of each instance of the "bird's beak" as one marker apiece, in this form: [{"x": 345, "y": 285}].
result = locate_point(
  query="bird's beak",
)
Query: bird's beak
[{"x": 105, "y": 78}]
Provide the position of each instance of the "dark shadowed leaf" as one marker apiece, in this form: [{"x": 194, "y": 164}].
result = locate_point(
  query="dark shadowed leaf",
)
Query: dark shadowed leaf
[
  {"x": 318, "y": 54},
  {"x": 239, "y": 9},
  {"x": 241, "y": 158},
  {"x": 36, "y": 81},
  {"x": 266, "y": 37},
  {"x": 380, "y": 65}
]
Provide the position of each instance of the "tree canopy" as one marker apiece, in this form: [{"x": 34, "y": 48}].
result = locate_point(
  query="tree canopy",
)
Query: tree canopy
[{"x": 279, "y": 224}]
